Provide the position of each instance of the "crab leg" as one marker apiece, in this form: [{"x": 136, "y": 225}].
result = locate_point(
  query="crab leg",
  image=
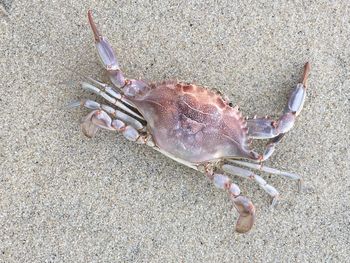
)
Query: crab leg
[
  {"x": 114, "y": 99},
  {"x": 248, "y": 174},
  {"x": 110, "y": 61},
  {"x": 93, "y": 105},
  {"x": 100, "y": 119},
  {"x": 270, "y": 170},
  {"x": 110, "y": 91},
  {"x": 265, "y": 128},
  {"x": 243, "y": 205}
]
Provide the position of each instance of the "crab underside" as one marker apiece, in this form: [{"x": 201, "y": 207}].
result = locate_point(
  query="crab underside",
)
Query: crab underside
[{"x": 191, "y": 124}]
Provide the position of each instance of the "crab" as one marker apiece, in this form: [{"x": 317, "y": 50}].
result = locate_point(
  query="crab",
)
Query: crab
[{"x": 191, "y": 124}]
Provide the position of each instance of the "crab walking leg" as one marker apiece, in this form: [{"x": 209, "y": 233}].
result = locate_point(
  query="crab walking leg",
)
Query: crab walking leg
[
  {"x": 93, "y": 105},
  {"x": 106, "y": 54},
  {"x": 110, "y": 61},
  {"x": 113, "y": 100},
  {"x": 110, "y": 91},
  {"x": 267, "y": 128},
  {"x": 270, "y": 170},
  {"x": 248, "y": 174},
  {"x": 243, "y": 205}
]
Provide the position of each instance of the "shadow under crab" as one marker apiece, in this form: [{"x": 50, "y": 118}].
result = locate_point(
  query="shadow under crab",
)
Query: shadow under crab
[{"x": 191, "y": 124}]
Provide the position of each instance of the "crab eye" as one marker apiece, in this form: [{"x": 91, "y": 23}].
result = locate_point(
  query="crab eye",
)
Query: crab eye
[{"x": 230, "y": 104}]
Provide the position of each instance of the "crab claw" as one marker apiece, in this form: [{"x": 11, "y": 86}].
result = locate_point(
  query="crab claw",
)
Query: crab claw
[
  {"x": 87, "y": 126},
  {"x": 246, "y": 212},
  {"x": 93, "y": 121}
]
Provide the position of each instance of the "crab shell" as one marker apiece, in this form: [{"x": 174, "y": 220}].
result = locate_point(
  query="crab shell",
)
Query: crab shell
[{"x": 191, "y": 122}]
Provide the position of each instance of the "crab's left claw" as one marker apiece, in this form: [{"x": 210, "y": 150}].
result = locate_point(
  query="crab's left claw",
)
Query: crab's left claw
[
  {"x": 246, "y": 212},
  {"x": 243, "y": 205}
]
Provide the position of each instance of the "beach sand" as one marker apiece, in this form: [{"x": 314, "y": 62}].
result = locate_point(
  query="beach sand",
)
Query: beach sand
[{"x": 67, "y": 198}]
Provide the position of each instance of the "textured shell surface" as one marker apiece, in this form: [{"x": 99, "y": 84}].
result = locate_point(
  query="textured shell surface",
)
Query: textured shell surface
[{"x": 192, "y": 122}]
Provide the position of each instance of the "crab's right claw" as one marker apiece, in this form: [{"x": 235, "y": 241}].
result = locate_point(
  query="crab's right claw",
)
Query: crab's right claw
[
  {"x": 94, "y": 120},
  {"x": 87, "y": 126},
  {"x": 246, "y": 212}
]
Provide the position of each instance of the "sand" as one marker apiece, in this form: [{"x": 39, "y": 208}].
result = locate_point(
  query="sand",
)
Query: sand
[{"x": 66, "y": 198}]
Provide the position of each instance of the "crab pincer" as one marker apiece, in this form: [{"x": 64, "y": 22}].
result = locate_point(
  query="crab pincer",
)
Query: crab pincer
[
  {"x": 246, "y": 212},
  {"x": 243, "y": 205}
]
